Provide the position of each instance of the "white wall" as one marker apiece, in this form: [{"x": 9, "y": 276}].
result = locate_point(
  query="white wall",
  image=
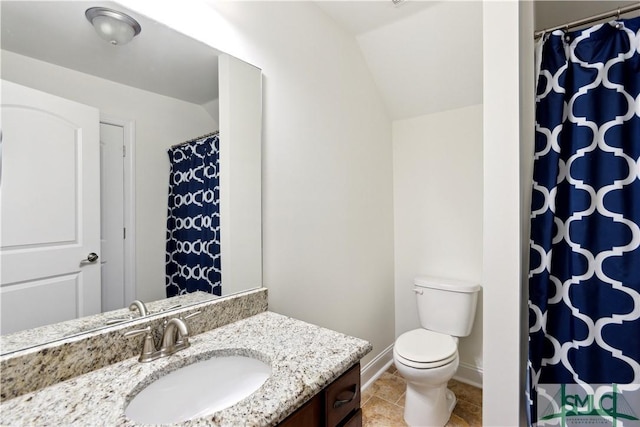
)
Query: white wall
[
  {"x": 160, "y": 122},
  {"x": 327, "y": 181},
  {"x": 437, "y": 177},
  {"x": 240, "y": 174},
  {"x": 507, "y": 118}
]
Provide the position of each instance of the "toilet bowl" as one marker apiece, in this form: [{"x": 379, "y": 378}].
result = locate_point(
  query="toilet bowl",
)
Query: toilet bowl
[
  {"x": 428, "y": 402},
  {"x": 427, "y": 358}
]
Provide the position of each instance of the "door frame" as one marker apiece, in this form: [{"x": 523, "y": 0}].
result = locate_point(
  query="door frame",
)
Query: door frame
[{"x": 129, "y": 202}]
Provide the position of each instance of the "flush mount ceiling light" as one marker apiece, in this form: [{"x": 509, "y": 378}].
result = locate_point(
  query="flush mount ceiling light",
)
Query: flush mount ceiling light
[{"x": 115, "y": 27}]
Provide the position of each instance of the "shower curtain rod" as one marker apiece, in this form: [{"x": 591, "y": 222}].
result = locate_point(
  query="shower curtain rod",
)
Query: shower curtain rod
[
  {"x": 196, "y": 139},
  {"x": 617, "y": 12}
]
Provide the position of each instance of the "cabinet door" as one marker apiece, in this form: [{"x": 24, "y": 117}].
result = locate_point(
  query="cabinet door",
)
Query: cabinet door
[
  {"x": 342, "y": 396},
  {"x": 310, "y": 415}
]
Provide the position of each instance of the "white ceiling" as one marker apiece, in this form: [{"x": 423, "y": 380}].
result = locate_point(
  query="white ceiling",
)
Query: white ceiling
[
  {"x": 159, "y": 59},
  {"x": 361, "y": 16},
  {"x": 426, "y": 56}
]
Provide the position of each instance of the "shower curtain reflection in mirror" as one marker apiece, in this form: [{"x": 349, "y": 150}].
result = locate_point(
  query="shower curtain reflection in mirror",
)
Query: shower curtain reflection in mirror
[{"x": 193, "y": 220}]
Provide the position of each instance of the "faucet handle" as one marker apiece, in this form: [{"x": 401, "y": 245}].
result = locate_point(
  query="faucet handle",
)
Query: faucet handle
[
  {"x": 173, "y": 307},
  {"x": 148, "y": 346},
  {"x": 137, "y": 332},
  {"x": 184, "y": 319}
]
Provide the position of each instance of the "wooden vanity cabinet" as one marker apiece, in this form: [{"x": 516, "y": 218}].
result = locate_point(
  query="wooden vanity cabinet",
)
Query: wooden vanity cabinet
[{"x": 337, "y": 405}]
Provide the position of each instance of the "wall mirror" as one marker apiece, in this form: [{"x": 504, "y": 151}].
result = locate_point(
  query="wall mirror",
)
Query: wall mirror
[{"x": 137, "y": 100}]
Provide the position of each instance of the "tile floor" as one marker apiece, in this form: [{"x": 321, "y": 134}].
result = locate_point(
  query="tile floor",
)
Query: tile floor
[{"x": 383, "y": 403}]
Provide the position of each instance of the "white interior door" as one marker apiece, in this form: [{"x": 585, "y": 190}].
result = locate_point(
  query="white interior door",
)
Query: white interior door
[{"x": 50, "y": 209}]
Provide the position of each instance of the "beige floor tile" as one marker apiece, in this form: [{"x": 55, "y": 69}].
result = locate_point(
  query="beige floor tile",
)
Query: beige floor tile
[
  {"x": 456, "y": 421},
  {"x": 469, "y": 412},
  {"x": 389, "y": 387},
  {"x": 402, "y": 400},
  {"x": 367, "y": 394},
  {"x": 378, "y": 412},
  {"x": 466, "y": 392}
]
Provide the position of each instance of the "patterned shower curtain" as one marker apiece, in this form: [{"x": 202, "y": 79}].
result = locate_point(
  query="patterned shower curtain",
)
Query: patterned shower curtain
[
  {"x": 584, "y": 278},
  {"x": 193, "y": 221}
]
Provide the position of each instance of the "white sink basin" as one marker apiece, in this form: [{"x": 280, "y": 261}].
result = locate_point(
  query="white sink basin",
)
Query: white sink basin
[{"x": 198, "y": 390}]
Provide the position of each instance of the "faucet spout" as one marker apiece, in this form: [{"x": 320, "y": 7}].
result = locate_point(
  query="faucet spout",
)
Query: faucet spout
[
  {"x": 137, "y": 304},
  {"x": 175, "y": 336}
]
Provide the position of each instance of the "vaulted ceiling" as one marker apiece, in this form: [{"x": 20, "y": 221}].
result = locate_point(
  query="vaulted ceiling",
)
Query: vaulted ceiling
[{"x": 426, "y": 56}]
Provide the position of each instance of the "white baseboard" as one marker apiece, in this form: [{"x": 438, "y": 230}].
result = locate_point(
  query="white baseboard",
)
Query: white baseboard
[
  {"x": 469, "y": 374},
  {"x": 376, "y": 367}
]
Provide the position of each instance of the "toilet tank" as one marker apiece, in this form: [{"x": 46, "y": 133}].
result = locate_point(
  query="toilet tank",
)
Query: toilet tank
[{"x": 447, "y": 306}]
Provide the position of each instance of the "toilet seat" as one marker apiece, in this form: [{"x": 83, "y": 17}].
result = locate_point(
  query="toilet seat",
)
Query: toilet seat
[{"x": 423, "y": 349}]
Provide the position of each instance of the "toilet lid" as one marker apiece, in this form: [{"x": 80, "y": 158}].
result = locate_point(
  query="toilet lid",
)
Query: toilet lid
[{"x": 424, "y": 346}]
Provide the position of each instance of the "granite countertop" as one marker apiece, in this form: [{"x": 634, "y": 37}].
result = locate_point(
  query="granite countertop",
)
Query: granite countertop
[{"x": 304, "y": 358}]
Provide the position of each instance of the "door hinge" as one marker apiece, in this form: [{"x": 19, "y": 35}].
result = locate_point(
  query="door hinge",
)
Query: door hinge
[
  {"x": 124, "y": 151},
  {"x": 124, "y": 233}
]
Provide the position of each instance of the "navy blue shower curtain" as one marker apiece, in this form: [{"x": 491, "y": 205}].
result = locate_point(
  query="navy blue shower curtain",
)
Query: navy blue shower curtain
[
  {"x": 193, "y": 221},
  {"x": 584, "y": 278}
]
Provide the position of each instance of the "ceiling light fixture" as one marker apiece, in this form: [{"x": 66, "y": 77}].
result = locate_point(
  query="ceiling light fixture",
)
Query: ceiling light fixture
[{"x": 115, "y": 27}]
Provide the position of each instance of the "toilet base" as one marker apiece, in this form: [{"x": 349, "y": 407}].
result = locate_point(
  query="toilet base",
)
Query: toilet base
[
  {"x": 428, "y": 406},
  {"x": 451, "y": 401}
]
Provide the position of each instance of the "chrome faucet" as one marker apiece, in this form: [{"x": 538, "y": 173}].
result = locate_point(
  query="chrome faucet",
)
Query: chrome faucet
[
  {"x": 175, "y": 337},
  {"x": 139, "y": 305}
]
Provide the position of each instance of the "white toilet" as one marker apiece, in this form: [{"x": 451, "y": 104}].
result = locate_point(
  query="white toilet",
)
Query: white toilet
[{"x": 428, "y": 357}]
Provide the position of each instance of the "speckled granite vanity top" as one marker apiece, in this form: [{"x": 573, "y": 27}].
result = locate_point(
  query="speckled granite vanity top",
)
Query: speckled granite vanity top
[{"x": 304, "y": 358}]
